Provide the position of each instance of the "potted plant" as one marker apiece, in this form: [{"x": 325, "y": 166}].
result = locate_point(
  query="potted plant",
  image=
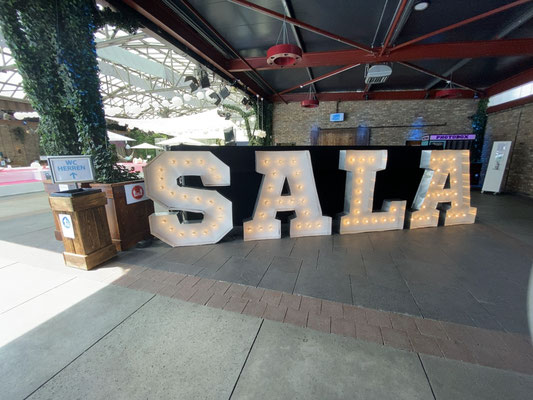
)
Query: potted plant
[{"x": 58, "y": 65}]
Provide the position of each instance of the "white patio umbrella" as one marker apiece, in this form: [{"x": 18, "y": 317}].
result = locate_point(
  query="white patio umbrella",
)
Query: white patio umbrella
[
  {"x": 115, "y": 137},
  {"x": 147, "y": 146}
]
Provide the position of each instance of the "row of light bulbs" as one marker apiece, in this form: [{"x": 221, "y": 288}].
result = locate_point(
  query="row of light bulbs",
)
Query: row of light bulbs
[{"x": 304, "y": 199}]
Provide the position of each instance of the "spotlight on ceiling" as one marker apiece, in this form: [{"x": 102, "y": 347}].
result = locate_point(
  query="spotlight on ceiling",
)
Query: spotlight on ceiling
[
  {"x": 224, "y": 92},
  {"x": 204, "y": 79},
  {"x": 421, "y": 5},
  {"x": 215, "y": 97},
  {"x": 193, "y": 83},
  {"x": 245, "y": 101}
]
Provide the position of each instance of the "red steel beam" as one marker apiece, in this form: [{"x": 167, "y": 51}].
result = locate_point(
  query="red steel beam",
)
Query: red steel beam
[
  {"x": 456, "y": 50},
  {"x": 379, "y": 95},
  {"x": 509, "y": 83},
  {"x": 397, "y": 17},
  {"x": 223, "y": 40},
  {"x": 165, "y": 19},
  {"x": 462, "y": 23},
  {"x": 319, "y": 78},
  {"x": 300, "y": 24},
  {"x": 428, "y": 72}
]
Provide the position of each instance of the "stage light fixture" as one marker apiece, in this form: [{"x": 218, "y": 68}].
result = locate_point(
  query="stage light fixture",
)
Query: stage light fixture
[
  {"x": 224, "y": 92},
  {"x": 193, "y": 83},
  {"x": 203, "y": 79}
]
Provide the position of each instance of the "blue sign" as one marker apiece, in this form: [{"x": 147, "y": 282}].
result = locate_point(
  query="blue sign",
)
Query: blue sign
[
  {"x": 68, "y": 169},
  {"x": 337, "y": 117}
]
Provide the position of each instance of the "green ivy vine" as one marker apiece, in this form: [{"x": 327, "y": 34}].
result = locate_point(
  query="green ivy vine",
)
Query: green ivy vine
[
  {"x": 53, "y": 45},
  {"x": 479, "y": 123}
]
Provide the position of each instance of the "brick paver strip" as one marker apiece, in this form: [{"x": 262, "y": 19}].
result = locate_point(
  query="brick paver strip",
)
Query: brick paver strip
[
  {"x": 368, "y": 332},
  {"x": 201, "y": 296},
  {"x": 354, "y": 313},
  {"x": 378, "y": 318},
  {"x": 220, "y": 287},
  {"x": 332, "y": 309},
  {"x": 254, "y": 308},
  {"x": 253, "y": 293},
  {"x": 296, "y": 317},
  {"x": 272, "y": 297},
  {"x": 291, "y": 301},
  {"x": 204, "y": 284},
  {"x": 275, "y": 313},
  {"x": 430, "y": 327},
  {"x": 310, "y": 304},
  {"x": 235, "y": 290},
  {"x": 319, "y": 322},
  {"x": 189, "y": 281},
  {"x": 424, "y": 344},
  {"x": 236, "y": 304},
  {"x": 510, "y": 351},
  {"x": 396, "y": 338},
  {"x": 456, "y": 350},
  {"x": 184, "y": 293},
  {"x": 344, "y": 327},
  {"x": 218, "y": 300},
  {"x": 404, "y": 323},
  {"x": 168, "y": 290},
  {"x": 125, "y": 280}
]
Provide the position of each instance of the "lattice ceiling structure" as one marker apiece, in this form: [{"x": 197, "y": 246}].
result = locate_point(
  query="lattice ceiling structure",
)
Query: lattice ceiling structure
[{"x": 141, "y": 77}]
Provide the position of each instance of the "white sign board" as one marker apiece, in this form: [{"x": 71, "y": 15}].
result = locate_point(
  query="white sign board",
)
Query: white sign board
[
  {"x": 66, "y": 225},
  {"x": 496, "y": 168},
  {"x": 68, "y": 169},
  {"x": 135, "y": 192}
]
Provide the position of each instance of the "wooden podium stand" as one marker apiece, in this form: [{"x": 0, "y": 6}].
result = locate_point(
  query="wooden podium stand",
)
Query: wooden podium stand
[{"x": 82, "y": 218}]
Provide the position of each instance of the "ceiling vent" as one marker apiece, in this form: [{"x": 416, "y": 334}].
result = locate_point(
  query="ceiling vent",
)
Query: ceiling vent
[{"x": 377, "y": 73}]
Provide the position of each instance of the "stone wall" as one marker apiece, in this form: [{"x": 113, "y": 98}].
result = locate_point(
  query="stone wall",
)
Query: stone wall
[
  {"x": 21, "y": 149},
  {"x": 292, "y": 123},
  {"x": 516, "y": 125}
]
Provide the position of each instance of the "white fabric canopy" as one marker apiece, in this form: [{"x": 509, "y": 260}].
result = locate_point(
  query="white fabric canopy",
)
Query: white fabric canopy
[
  {"x": 179, "y": 140},
  {"x": 146, "y": 146},
  {"x": 115, "y": 137},
  {"x": 206, "y": 125}
]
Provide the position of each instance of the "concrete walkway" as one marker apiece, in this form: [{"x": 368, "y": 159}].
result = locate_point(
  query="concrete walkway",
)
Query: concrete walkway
[{"x": 67, "y": 334}]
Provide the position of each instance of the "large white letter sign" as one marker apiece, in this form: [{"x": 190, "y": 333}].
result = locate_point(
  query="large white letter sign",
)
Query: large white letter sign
[
  {"x": 442, "y": 166},
  {"x": 295, "y": 166},
  {"x": 361, "y": 167},
  {"x": 161, "y": 177}
]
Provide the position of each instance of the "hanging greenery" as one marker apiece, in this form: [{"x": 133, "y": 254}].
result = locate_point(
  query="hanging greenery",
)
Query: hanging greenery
[
  {"x": 479, "y": 123},
  {"x": 262, "y": 111},
  {"x": 53, "y": 45}
]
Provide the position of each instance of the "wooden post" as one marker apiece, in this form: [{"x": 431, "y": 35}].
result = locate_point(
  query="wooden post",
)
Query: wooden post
[{"x": 83, "y": 218}]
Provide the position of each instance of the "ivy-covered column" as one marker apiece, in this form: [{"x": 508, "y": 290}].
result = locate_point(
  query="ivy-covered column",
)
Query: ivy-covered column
[
  {"x": 29, "y": 28},
  {"x": 79, "y": 67},
  {"x": 53, "y": 45}
]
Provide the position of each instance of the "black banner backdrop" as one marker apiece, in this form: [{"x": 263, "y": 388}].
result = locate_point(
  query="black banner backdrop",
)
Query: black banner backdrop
[{"x": 399, "y": 181}]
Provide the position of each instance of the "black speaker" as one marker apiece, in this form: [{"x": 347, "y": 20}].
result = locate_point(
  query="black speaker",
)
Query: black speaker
[
  {"x": 229, "y": 137},
  {"x": 204, "y": 79}
]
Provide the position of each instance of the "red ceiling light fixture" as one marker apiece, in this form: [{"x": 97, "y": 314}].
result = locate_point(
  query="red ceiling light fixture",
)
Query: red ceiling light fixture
[
  {"x": 449, "y": 92},
  {"x": 284, "y": 54},
  {"x": 312, "y": 101}
]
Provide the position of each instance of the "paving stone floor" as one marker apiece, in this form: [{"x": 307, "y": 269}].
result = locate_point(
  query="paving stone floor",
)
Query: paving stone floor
[
  {"x": 431, "y": 313},
  {"x": 468, "y": 274}
]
